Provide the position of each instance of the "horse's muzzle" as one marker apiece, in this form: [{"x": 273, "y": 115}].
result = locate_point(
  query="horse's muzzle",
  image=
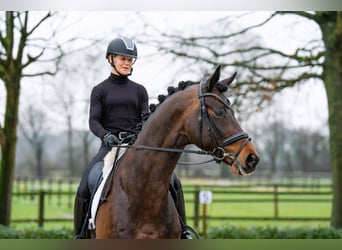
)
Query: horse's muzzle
[{"x": 251, "y": 162}]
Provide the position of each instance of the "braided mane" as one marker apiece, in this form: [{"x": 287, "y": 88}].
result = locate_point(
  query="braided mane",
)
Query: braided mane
[{"x": 161, "y": 98}]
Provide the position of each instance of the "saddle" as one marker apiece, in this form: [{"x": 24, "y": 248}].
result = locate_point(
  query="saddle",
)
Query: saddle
[{"x": 99, "y": 184}]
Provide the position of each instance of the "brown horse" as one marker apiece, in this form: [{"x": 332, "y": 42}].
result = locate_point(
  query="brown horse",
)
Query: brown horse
[{"x": 139, "y": 205}]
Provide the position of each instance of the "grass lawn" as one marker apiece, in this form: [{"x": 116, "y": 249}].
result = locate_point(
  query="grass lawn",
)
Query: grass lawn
[{"x": 231, "y": 204}]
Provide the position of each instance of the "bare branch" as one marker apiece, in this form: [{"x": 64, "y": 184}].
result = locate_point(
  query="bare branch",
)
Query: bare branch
[
  {"x": 48, "y": 15},
  {"x": 230, "y": 35},
  {"x": 308, "y": 15},
  {"x": 264, "y": 69},
  {"x": 23, "y": 37},
  {"x": 31, "y": 59},
  {"x": 275, "y": 84}
]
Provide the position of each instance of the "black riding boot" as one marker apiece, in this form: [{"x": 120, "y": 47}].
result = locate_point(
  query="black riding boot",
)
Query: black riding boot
[
  {"x": 180, "y": 205},
  {"x": 181, "y": 210},
  {"x": 80, "y": 214}
]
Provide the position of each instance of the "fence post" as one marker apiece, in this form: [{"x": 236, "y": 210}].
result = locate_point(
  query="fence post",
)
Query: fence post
[
  {"x": 26, "y": 185},
  {"x": 70, "y": 198},
  {"x": 59, "y": 201},
  {"x": 33, "y": 188},
  {"x": 50, "y": 191},
  {"x": 196, "y": 208},
  {"x": 276, "y": 201},
  {"x": 204, "y": 219},
  {"x": 41, "y": 209}
]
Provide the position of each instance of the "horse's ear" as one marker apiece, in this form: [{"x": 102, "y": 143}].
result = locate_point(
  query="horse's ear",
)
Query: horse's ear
[
  {"x": 229, "y": 80},
  {"x": 212, "y": 80}
]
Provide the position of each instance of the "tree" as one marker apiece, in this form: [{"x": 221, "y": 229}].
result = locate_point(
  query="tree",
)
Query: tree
[
  {"x": 16, "y": 37},
  {"x": 34, "y": 129},
  {"x": 274, "y": 144},
  {"x": 31, "y": 45},
  {"x": 70, "y": 103},
  {"x": 66, "y": 100},
  {"x": 308, "y": 150},
  {"x": 265, "y": 70}
]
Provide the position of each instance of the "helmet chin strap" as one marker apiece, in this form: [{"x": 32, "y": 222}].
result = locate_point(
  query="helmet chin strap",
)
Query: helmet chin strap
[{"x": 113, "y": 65}]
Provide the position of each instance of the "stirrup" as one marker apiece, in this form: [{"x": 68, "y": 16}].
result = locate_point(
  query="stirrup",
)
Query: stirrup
[
  {"x": 78, "y": 237},
  {"x": 189, "y": 233}
]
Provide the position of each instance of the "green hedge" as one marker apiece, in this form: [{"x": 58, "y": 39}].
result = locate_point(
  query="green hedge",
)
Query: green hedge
[
  {"x": 35, "y": 233},
  {"x": 223, "y": 232},
  {"x": 267, "y": 232}
]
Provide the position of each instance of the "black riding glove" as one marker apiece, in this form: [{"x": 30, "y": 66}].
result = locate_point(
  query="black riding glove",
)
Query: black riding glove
[{"x": 110, "y": 140}]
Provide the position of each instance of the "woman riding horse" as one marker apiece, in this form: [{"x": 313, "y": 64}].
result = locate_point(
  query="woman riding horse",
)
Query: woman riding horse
[
  {"x": 139, "y": 204},
  {"x": 116, "y": 106}
]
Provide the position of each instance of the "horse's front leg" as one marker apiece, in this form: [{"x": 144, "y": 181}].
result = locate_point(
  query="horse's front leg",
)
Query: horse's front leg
[{"x": 104, "y": 227}]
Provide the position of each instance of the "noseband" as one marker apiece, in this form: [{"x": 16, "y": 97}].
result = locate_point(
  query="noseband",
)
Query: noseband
[{"x": 218, "y": 152}]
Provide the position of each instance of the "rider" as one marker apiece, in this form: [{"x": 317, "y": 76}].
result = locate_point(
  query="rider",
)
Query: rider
[{"x": 116, "y": 106}]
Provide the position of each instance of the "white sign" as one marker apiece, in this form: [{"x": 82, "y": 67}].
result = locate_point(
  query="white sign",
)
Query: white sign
[{"x": 205, "y": 197}]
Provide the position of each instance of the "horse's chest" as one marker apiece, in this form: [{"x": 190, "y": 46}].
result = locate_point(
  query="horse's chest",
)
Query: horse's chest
[{"x": 148, "y": 231}]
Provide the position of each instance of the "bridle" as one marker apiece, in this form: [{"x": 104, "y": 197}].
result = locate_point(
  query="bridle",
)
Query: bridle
[{"x": 218, "y": 153}]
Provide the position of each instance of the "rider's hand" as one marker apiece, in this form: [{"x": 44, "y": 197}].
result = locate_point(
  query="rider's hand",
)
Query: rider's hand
[{"x": 110, "y": 140}]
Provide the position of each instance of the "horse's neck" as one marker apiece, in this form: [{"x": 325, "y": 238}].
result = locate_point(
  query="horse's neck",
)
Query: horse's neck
[
  {"x": 150, "y": 171},
  {"x": 158, "y": 165}
]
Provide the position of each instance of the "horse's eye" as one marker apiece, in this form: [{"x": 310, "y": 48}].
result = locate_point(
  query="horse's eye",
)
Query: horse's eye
[{"x": 219, "y": 112}]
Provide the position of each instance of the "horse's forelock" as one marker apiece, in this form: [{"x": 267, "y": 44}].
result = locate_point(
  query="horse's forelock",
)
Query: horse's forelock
[{"x": 221, "y": 87}]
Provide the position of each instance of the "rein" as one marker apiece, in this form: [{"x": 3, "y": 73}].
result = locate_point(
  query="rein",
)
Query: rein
[{"x": 173, "y": 150}]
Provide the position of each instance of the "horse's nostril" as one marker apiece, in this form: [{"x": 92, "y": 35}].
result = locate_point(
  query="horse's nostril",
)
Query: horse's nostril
[{"x": 252, "y": 160}]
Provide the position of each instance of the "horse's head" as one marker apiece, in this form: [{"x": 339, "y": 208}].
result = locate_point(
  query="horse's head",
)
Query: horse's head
[
  {"x": 202, "y": 115},
  {"x": 219, "y": 131}
]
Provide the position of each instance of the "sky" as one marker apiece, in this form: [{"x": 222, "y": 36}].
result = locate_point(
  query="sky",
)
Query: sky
[{"x": 306, "y": 104}]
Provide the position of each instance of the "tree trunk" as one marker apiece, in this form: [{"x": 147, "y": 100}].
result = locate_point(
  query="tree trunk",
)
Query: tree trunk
[
  {"x": 8, "y": 150},
  {"x": 70, "y": 139},
  {"x": 332, "y": 36},
  {"x": 39, "y": 158},
  {"x": 14, "y": 39}
]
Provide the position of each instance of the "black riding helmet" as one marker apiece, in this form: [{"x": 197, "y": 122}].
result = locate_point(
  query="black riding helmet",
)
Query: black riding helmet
[{"x": 122, "y": 46}]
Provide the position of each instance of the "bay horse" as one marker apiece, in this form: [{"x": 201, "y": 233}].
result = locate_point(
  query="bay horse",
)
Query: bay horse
[{"x": 139, "y": 205}]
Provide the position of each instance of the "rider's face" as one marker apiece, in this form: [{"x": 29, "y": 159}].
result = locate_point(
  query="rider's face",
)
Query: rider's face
[{"x": 123, "y": 64}]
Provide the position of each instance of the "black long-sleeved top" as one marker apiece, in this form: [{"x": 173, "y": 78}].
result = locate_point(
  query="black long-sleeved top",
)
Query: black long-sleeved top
[{"x": 116, "y": 105}]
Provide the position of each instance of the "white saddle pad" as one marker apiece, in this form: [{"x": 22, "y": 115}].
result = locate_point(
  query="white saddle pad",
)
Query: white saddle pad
[{"x": 107, "y": 167}]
